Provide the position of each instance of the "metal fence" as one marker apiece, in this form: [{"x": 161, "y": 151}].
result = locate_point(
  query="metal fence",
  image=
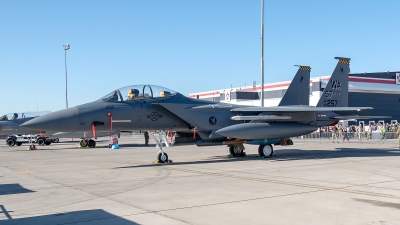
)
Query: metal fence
[{"x": 352, "y": 136}]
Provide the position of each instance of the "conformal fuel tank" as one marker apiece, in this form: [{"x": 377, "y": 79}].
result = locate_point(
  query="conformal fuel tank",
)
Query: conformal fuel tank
[{"x": 266, "y": 130}]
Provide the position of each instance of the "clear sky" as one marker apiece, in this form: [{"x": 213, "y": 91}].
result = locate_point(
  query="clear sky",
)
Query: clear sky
[{"x": 185, "y": 45}]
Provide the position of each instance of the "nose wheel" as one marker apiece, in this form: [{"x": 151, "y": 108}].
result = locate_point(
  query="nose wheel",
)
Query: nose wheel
[{"x": 162, "y": 157}]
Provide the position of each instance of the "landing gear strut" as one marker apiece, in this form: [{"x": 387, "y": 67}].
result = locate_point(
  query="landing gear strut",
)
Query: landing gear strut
[
  {"x": 162, "y": 157},
  {"x": 265, "y": 150}
]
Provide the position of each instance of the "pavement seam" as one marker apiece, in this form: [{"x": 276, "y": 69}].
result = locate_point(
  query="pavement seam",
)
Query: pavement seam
[{"x": 290, "y": 183}]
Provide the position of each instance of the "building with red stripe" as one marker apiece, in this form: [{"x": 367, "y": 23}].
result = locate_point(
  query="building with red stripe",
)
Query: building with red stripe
[{"x": 379, "y": 90}]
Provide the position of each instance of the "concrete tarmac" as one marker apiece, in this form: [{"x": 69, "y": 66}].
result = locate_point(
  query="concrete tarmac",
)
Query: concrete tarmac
[{"x": 307, "y": 183}]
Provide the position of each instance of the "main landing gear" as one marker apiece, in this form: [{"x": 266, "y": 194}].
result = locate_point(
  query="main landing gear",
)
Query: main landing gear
[
  {"x": 87, "y": 143},
  {"x": 236, "y": 148},
  {"x": 265, "y": 150}
]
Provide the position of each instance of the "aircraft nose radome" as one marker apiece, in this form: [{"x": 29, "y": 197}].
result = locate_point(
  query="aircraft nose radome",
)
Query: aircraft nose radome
[{"x": 63, "y": 120}]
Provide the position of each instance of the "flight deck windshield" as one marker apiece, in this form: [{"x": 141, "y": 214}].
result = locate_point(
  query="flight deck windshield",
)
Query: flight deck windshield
[{"x": 138, "y": 92}]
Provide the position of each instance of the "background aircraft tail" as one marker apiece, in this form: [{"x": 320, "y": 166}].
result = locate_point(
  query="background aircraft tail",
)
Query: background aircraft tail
[
  {"x": 298, "y": 92},
  {"x": 336, "y": 93}
]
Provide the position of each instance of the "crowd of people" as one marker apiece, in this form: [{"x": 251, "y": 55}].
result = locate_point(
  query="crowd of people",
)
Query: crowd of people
[{"x": 344, "y": 133}]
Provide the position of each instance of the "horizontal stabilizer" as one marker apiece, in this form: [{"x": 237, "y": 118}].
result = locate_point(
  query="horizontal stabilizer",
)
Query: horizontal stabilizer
[
  {"x": 261, "y": 117},
  {"x": 354, "y": 117},
  {"x": 299, "y": 109}
]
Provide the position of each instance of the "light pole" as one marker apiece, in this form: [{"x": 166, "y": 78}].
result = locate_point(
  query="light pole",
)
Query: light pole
[
  {"x": 262, "y": 53},
  {"x": 66, "y": 47}
]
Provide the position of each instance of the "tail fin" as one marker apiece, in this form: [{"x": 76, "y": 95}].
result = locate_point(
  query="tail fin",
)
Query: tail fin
[
  {"x": 336, "y": 93},
  {"x": 298, "y": 92}
]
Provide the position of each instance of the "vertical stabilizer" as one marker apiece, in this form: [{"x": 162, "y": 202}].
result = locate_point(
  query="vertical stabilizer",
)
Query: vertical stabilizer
[
  {"x": 336, "y": 92},
  {"x": 298, "y": 92}
]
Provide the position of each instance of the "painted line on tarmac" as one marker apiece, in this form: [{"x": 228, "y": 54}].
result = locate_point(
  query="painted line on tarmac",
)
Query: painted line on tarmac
[{"x": 289, "y": 183}]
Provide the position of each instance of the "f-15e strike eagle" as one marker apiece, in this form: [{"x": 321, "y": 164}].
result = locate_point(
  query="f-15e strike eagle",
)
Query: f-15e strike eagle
[{"x": 146, "y": 107}]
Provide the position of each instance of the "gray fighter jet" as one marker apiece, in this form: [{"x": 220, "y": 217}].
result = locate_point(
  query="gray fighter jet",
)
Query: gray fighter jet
[
  {"x": 142, "y": 111},
  {"x": 10, "y": 124},
  {"x": 145, "y": 107}
]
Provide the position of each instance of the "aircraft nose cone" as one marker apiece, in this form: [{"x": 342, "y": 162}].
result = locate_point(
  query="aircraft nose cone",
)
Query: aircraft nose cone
[{"x": 63, "y": 120}]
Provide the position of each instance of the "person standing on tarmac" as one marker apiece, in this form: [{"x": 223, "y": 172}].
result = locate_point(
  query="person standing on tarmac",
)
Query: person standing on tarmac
[
  {"x": 360, "y": 131},
  {"x": 334, "y": 131},
  {"x": 347, "y": 133},
  {"x": 398, "y": 134},
  {"x": 146, "y": 138},
  {"x": 369, "y": 135},
  {"x": 384, "y": 129}
]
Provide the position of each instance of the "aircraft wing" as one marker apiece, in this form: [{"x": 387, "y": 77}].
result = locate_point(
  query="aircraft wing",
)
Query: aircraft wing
[
  {"x": 352, "y": 117},
  {"x": 299, "y": 109}
]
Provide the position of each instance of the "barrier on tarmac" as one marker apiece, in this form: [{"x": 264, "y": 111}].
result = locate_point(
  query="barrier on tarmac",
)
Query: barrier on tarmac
[
  {"x": 353, "y": 136},
  {"x": 315, "y": 136}
]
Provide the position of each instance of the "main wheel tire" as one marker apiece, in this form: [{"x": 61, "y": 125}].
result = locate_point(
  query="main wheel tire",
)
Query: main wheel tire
[
  {"x": 41, "y": 141},
  {"x": 92, "y": 143},
  {"x": 265, "y": 150},
  {"x": 47, "y": 143},
  {"x": 18, "y": 143},
  {"x": 83, "y": 143},
  {"x": 56, "y": 140},
  {"x": 10, "y": 142},
  {"x": 235, "y": 151},
  {"x": 162, "y": 158}
]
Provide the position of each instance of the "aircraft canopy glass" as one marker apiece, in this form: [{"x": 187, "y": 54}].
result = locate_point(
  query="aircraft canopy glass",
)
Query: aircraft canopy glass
[
  {"x": 12, "y": 116},
  {"x": 138, "y": 92}
]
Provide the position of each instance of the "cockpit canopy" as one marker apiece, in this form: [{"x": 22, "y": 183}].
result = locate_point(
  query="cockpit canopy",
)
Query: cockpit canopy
[
  {"x": 138, "y": 92},
  {"x": 12, "y": 116}
]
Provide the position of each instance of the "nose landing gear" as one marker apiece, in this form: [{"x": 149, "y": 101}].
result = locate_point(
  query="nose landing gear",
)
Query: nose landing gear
[{"x": 162, "y": 157}]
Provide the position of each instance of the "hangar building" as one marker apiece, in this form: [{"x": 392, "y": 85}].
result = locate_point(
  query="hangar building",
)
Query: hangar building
[{"x": 378, "y": 90}]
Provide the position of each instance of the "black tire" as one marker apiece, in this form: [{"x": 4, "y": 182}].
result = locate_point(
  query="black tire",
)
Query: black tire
[
  {"x": 11, "y": 142},
  {"x": 18, "y": 143},
  {"x": 41, "y": 141},
  {"x": 161, "y": 158},
  {"x": 91, "y": 143},
  {"x": 48, "y": 143},
  {"x": 56, "y": 140},
  {"x": 265, "y": 150},
  {"x": 109, "y": 145},
  {"x": 83, "y": 143},
  {"x": 235, "y": 152}
]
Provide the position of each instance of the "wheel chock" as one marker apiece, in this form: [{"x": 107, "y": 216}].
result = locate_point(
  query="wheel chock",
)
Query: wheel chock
[
  {"x": 158, "y": 162},
  {"x": 30, "y": 148},
  {"x": 230, "y": 156},
  {"x": 80, "y": 146}
]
